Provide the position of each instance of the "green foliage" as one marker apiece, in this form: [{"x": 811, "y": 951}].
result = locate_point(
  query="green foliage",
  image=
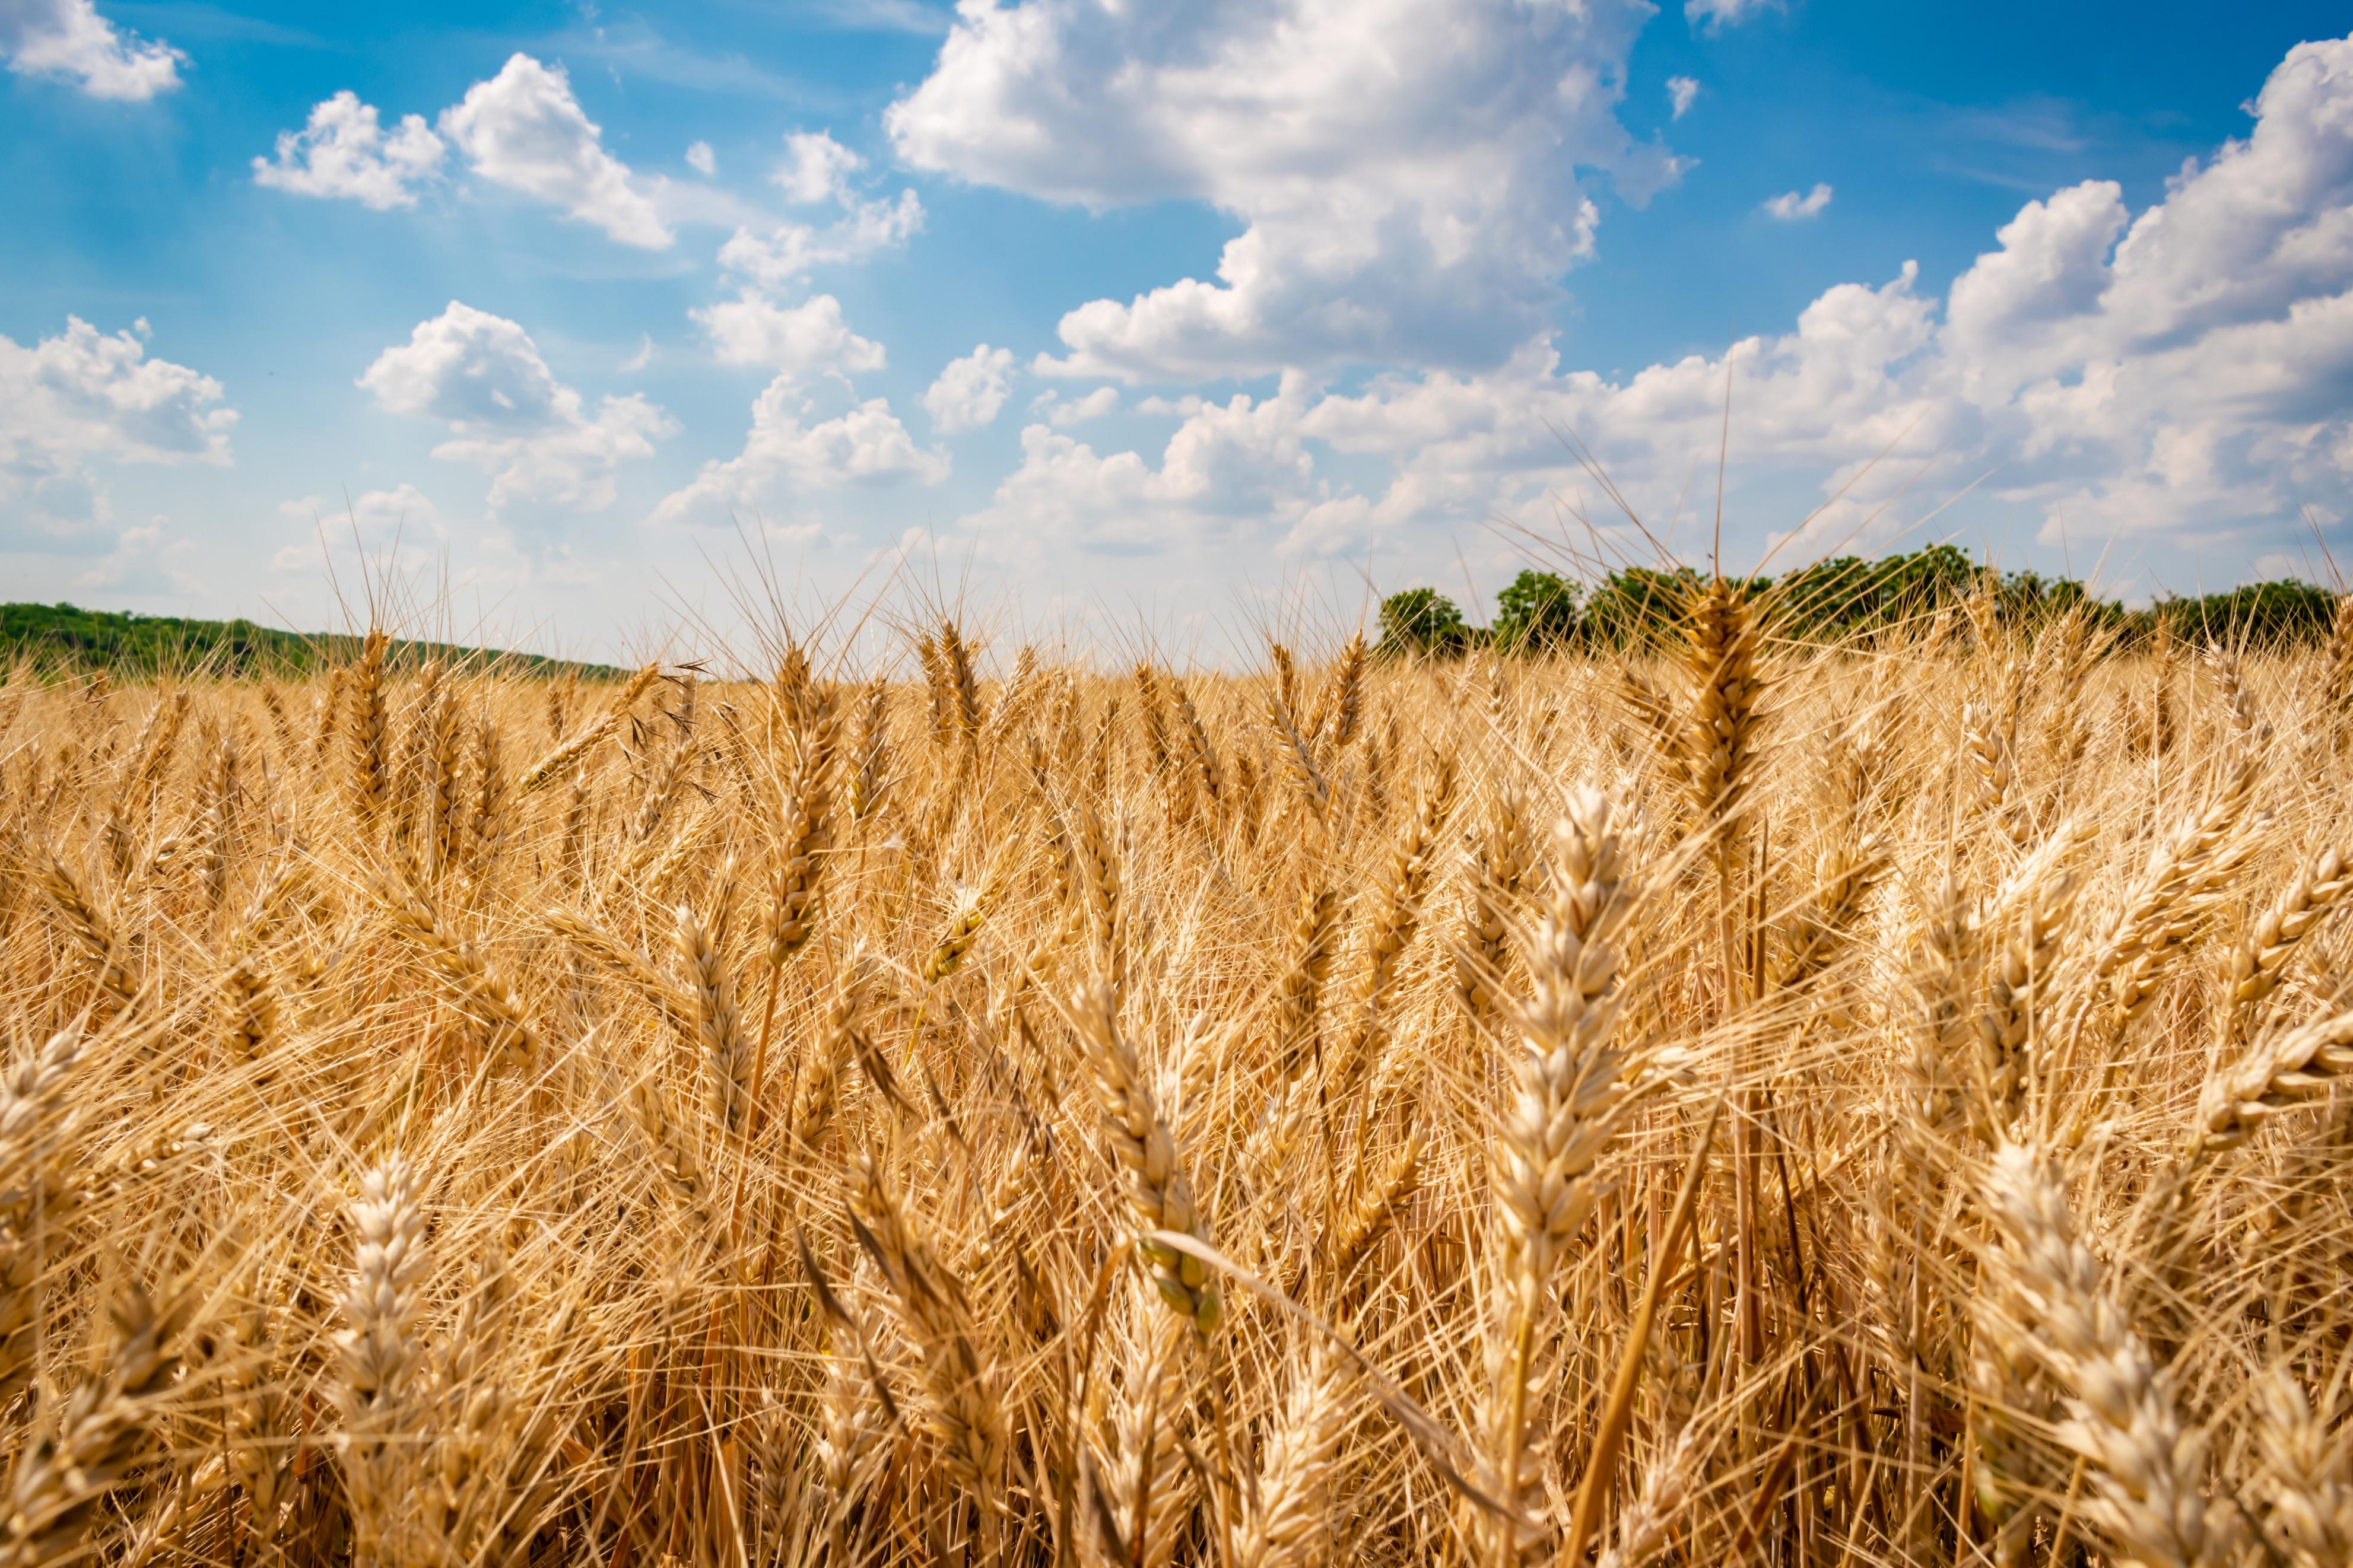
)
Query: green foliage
[
  {"x": 63, "y": 639},
  {"x": 1539, "y": 610},
  {"x": 1635, "y": 605},
  {"x": 2259, "y": 615},
  {"x": 1846, "y": 596},
  {"x": 1421, "y": 621}
]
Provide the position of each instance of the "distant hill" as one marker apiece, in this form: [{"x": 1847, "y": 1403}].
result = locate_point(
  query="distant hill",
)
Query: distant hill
[{"x": 54, "y": 638}]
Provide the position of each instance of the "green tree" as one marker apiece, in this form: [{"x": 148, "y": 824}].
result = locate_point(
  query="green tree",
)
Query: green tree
[
  {"x": 1421, "y": 620},
  {"x": 1537, "y": 610},
  {"x": 2261, "y": 615},
  {"x": 1844, "y": 595},
  {"x": 1637, "y": 604}
]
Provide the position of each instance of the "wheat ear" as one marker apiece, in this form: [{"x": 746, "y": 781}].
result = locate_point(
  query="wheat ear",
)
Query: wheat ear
[
  {"x": 371, "y": 768},
  {"x": 2261, "y": 960},
  {"x": 1314, "y": 931},
  {"x": 377, "y": 1350},
  {"x": 718, "y": 1021},
  {"x": 97, "y": 1441},
  {"x": 1642, "y": 1528},
  {"x": 30, "y": 1097},
  {"x": 2290, "y": 1069},
  {"x": 566, "y": 752},
  {"x": 257, "y": 1447},
  {"x": 2310, "y": 1481},
  {"x": 1720, "y": 742},
  {"x": 1160, "y": 1193},
  {"x": 820, "y": 1082},
  {"x": 1287, "y": 1527},
  {"x": 2021, "y": 977},
  {"x": 1495, "y": 867},
  {"x": 2059, "y": 1313},
  {"x": 1570, "y": 1088},
  {"x": 962, "y": 1387},
  {"x": 477, "y": 987},
  {"x": 92, "y": 927}
]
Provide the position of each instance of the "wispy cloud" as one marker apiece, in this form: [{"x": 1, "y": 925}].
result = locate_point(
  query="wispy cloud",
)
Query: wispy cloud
[
  {"x": 632, "y": 47},
  {"x": 886, "y": 16}
]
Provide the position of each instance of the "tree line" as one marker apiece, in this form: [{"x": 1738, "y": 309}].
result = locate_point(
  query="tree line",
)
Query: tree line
[
  {"x": 1834, "y": 600},
  {"x": 63, "y": 637}
]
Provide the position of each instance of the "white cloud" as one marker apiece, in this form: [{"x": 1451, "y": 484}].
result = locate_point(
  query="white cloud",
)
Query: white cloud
[
  {"x": 1713, "y": 16},
  {"x": 1791, "y": 207},
  {"x": 1384, "y": 221},
  {"x": 815, "y": 167},
  {"x": 69, "y": 38},
  {"x": 469, "y": 367},
  {"x": 508, "y": 414},
  {"x": 146, "y": 561},
  {"x": 701, "y": 159},
  {"x": 83, "y": 398},
  {"x": 788, "y": 251},
  {"x": 971, "y": 391},
  {"x": 378, "y": 520},
  {"x": 1825, "y": 396},
  {"x": 2177, "y": 371},
  {"x": 570, "y": 464},
  {"x": 1234, "y": 470},
  {"x": 1683, "y": 92},
  {"x": 785, "y": 455},
  {"x": 804, "y": 342},
  {"x": 524, "y": 130},
  {"x": 343, "y": 151},
  {"x": 814, "y": 172},
  {"x": 1063, "y": 414}
]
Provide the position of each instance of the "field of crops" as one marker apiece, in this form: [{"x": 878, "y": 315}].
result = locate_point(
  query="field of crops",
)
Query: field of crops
[{"x": 1735, "y": 1099}]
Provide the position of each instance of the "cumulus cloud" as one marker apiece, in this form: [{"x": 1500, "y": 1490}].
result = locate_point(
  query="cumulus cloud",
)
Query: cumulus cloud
[
  {"x": 1682, "y": 92},
  {"x": 789, "y": 251},
  {"x": 1791, "y": 207},
  {"x": 1383, "y": 223},
  {"x": 524, "y": 131},
  {"x": 69, "y": 39},
  {"x": 2177, "y": 370},
  {"x": 804, "y": 342},
  {"x": 483, "y": 376},
  {"x": 808, "y": 342},
  {"x": 815, "y": 171},
  {"x": 701, "y": 159},
  {"x": 85, "y": 398},
  {"x": 1236, "y": 470},
  {"x": 815, "y": 167},
  {"x": 1826, "y": 395},
  {"x": 1061, "y": 414},
  {"x": 788, "y": 453},
  {"x": 971, "y": 391},
  {"x": 343, "y": 151}
]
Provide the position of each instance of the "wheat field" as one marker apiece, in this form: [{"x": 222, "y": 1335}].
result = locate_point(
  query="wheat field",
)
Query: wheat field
[{"x": 1729, "y": 1101}]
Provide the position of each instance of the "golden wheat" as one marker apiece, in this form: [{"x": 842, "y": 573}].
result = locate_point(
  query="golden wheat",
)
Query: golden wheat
[{"x": 1361, "y": 1110}]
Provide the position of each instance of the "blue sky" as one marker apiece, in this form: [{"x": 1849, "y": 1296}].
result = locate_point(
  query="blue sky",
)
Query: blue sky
[{"x": 1186, "y": 316}]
